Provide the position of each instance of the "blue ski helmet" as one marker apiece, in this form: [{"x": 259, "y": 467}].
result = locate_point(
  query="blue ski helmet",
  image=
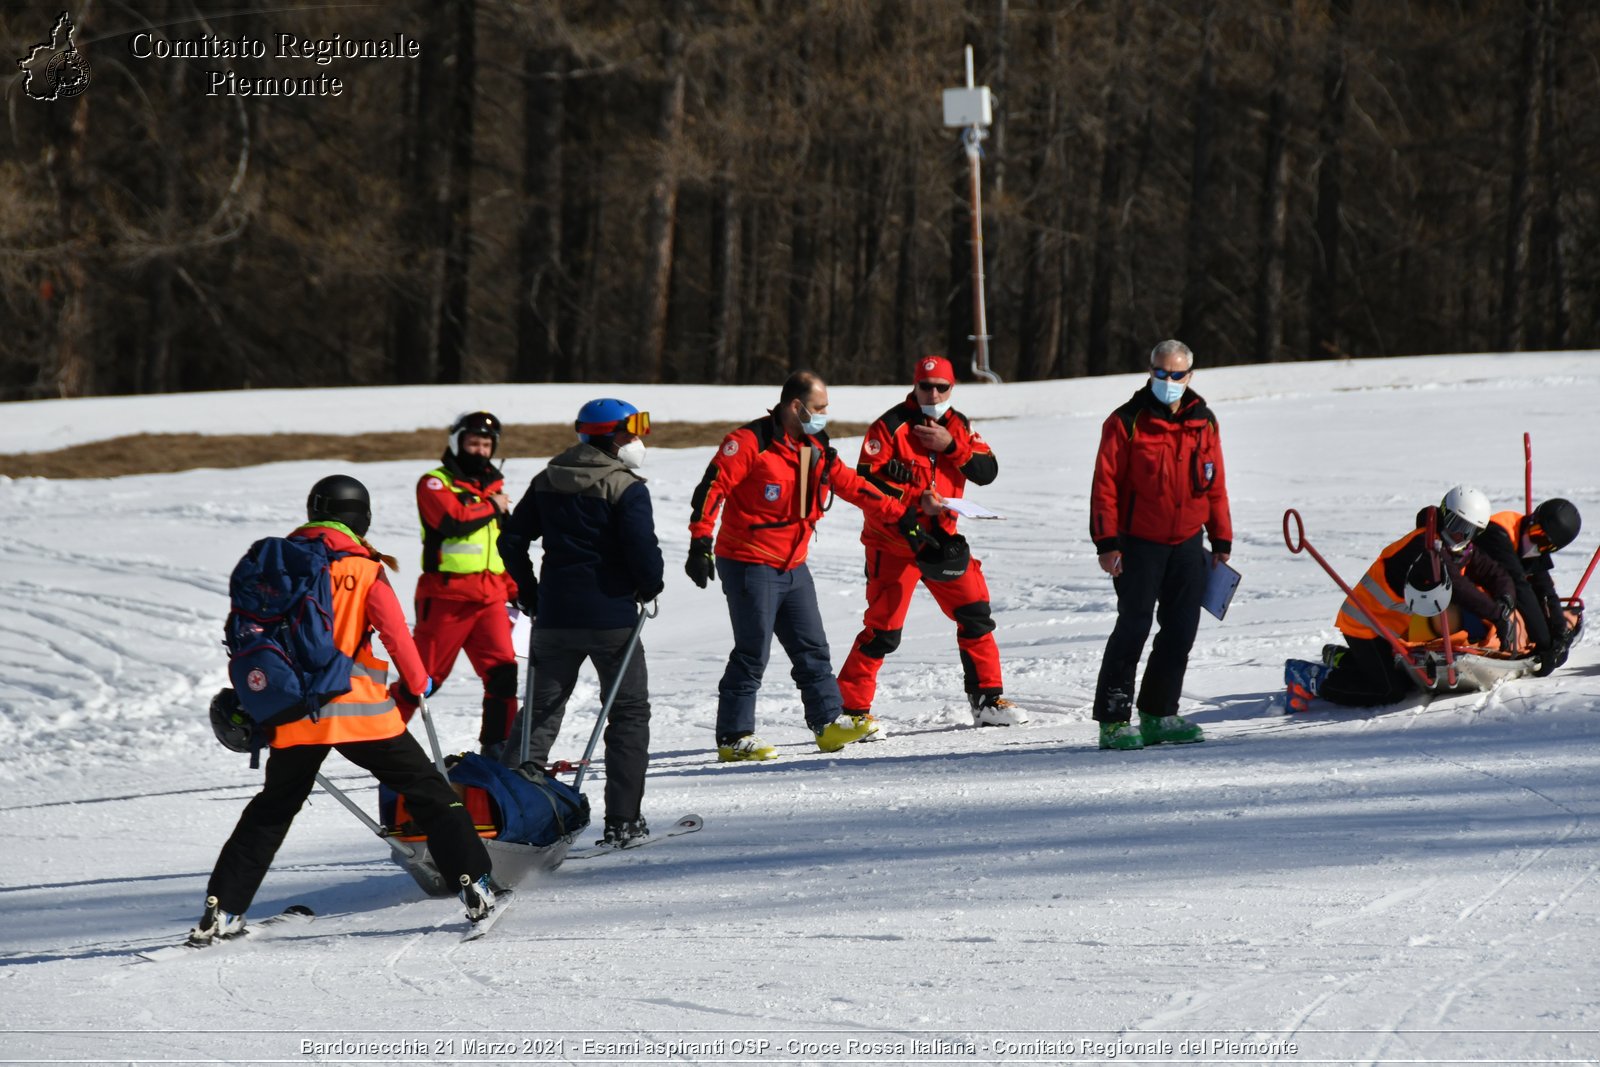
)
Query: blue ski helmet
[{"x": 602, "y": 418}]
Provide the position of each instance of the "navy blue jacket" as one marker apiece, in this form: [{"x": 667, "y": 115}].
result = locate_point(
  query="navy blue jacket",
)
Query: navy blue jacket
[{"x": 601, "y": 557}]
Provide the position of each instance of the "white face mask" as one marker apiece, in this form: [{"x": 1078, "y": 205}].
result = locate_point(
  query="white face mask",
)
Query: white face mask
[
  {"x": 1167, "y": 392},
  {"x": 813, "y": 423},
  {"x": 632, "y": 454},
  {"x": 934, "y": 411}
]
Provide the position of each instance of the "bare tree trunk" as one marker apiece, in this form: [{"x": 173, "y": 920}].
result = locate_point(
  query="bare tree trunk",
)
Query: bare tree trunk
[
  {"x": 409, "y": 340},
  {"x": 453, "y": 309},
  {"x": 1274, "y": 216},
  {"x": 1039, "y": 335},
  {"x": 1554, "y": 234},
  {"x": 539, "y": 266},
  {"x": 1197, "y": 237},
  {"x": 71, "y": 372},
  {"x": 724, "y": 282},
  {"x": 906, "y": 308},
  {"x": 1524, "y": 135},
  {"x": 1106, "y": 223},
  {"x": 661, "y": 214},
  {"x": 1330, "y": 136}
]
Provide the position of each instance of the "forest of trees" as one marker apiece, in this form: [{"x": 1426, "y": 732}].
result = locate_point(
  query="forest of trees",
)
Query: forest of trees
[{"x": 722, "y": 190}]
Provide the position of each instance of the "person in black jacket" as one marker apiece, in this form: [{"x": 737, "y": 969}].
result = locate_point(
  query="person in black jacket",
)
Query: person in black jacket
[
  {"x": 601, "y": 561},
  {"x": 1522, "y": 546}
]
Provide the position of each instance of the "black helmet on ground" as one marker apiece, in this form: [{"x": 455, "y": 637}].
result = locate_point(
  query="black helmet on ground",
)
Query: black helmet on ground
[
  {"x": 340, "y": 498},
  {"x": 1554, "y": 525}
]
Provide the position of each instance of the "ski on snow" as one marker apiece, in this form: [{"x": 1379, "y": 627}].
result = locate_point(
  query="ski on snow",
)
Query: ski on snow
[
  {"x": 502, "y": 904},
  {"x": 687, "y": 824},
  {"x": 260, "y": 930}
]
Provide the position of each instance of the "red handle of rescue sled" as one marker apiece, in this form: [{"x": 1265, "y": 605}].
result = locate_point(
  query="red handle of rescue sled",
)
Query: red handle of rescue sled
[
  {"x": 1527, "y": 472},
  {"x": 1297, "y": 543}
]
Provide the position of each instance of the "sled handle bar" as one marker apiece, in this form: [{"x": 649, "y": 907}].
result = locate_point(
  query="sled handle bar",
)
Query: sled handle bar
[
  {"x": 646, "y": 611},
  {"x": 1298, "y": 544},
  {"x": 1578, "y": 592},
  {"x": 401, "y": 848},
  {"x": 433, "y": 736}
]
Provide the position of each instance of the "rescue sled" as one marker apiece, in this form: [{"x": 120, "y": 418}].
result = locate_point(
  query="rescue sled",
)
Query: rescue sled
[
  {"x": 527, "y": 824},
  {"x": 1463, "y": 668}
]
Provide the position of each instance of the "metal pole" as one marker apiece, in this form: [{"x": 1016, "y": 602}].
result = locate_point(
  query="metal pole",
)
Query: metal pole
[
  {"x": 1527, "y": 472},
  {"x": 433, "y": 738},
  {"x": 970, "y": 141},
  {"x": 405, "y": 850}
]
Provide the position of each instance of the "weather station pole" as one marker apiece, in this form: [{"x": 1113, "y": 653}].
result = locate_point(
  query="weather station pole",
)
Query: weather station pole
[{"x": 971, "y": 109}]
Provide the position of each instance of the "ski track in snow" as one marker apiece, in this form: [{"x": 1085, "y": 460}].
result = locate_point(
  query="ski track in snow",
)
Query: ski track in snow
[{"x": 1376, "y": 886}]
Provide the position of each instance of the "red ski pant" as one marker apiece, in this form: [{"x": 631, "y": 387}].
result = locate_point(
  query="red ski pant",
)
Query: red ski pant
[
  {"x": 891, "y": 580},
  {"x": 445, "y": 629}
]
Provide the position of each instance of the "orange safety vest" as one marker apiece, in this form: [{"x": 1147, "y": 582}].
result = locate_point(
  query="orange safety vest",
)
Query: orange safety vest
[
  {"x": 1511, "y": 523},
  {"x": 1374, "y": 600},
  {"x": 366, "y": 713}
]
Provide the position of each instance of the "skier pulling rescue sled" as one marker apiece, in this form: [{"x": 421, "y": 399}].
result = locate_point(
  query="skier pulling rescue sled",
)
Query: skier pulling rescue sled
[{"x": 306, "y": 682}]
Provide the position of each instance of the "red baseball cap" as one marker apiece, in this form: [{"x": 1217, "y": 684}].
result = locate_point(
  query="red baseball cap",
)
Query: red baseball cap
[{"x": 934, "y": 367}]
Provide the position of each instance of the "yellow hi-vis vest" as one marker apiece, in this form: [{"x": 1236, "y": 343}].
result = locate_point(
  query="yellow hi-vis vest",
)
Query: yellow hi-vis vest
[{"x": 473, "y": 554}]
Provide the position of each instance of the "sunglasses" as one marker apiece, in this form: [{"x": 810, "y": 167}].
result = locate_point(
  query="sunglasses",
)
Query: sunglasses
[
  {"x": 638, "y": 424},
  {"x": 1174, "y": 375},
  {"x": 934, "y": 387}
]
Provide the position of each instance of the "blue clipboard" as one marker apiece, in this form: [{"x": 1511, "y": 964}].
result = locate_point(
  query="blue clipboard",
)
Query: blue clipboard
[{"x": 1221, "y": 581}]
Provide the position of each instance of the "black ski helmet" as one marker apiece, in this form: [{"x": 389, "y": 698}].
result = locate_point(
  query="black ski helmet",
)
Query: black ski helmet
[
  {"x": 229, "y": 722},
  {"x": 1554, "y": 525},
  {"x": 340, "y": 498},
  {"x": 945, "y": 561},
  {"x": 474, "y": 422}
]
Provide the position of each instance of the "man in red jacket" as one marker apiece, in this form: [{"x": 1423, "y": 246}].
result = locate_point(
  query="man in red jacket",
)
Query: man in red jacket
[
  {"x": 918, "y": 445},
  {"x": 772, "y": 480},
  {"x": 462, "y": 595},
  {"x": 1158, "y": 481}
]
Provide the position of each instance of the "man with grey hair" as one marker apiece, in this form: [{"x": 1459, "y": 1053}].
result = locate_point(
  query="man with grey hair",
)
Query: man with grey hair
[{"x": 1158, "y": 482}]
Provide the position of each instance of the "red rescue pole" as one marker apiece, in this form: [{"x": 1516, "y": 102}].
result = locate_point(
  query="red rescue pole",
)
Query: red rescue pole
[
  {"x": 1298, "y": 543},
  {"x": 1527, "y": 471},
  {"x": 1435, "y": 554}
]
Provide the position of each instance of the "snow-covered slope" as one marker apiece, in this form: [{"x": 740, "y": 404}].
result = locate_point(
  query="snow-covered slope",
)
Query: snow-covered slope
[{"x": 1413, "y": 884}]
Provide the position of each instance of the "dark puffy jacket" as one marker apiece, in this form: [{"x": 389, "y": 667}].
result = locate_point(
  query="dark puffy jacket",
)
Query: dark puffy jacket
[{"x": 601, "y": 557}]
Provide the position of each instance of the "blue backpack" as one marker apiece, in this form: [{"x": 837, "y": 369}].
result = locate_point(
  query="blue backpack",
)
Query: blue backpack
[
  {"x": 502, "y": 803},
  {"x": 283, "y": 662}
]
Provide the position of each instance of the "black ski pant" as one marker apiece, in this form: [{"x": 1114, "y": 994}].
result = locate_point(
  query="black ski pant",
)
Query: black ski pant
[
  {"x": 1164, "y": 584},
  {"x": 398, "y": 762},
  {"x": 554, "y": 660},
  {"x": 1367, "y": 676}
]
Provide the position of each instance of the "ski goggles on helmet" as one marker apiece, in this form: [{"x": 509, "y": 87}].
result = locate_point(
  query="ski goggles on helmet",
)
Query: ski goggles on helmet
[
  {"x": 637, "y": 424},
  {"x": 1540, "y": 539},
  {"x": 1455, "y": 531},
  {"x": 1163, "y": 374}
]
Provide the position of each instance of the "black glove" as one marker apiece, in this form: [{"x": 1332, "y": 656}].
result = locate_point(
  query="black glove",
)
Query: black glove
[
  {"x": 528, "y": 597},
  {"x": 897, "y": 471},
  {"x": 649, "y": 592},
  {"x": 1505, "y": 621},
  {"x": 701, "y": 566},
  {"x": 915, "y": 530}
]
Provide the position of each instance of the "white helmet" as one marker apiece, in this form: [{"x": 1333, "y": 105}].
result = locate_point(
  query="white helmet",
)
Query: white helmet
[
  {"x": 1463, "y": 514},
  {"x": 1425, "y": 594}
]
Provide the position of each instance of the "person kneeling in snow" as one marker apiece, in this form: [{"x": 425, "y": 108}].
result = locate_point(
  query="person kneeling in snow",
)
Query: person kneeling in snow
[
  {"x": 1403, "y": 583},
  {"x": 362, "y": 725}
]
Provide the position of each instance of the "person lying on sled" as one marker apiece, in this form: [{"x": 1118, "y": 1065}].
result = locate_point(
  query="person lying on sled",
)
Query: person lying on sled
[
  {"x": 1399, "y": 586},
  {"x": 1522, "y": 545}
]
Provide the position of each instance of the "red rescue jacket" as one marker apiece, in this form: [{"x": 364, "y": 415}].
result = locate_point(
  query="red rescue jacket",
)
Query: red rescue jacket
[
  {"x": 447, "y": 512},
  {"x": 968, "y": 458},
  {"x": 1159, "y": 475},
  {"x": 754, "y": 481}
]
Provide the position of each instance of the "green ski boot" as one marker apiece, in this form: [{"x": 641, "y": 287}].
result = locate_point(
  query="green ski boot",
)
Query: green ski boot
[
  {"x": 1120, "y": 736},
  {"x": 1169, "y": 730}
]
